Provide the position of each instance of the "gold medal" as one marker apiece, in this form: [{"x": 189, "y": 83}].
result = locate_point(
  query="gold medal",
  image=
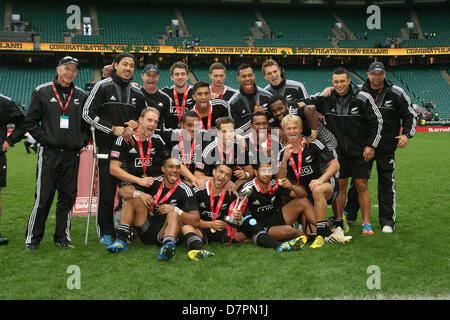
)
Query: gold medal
[
  {"x": 212, "y": 230},
  {"x": 144, "y": 175}
]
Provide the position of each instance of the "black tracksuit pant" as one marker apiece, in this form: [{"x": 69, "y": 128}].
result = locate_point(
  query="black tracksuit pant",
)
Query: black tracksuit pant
[
  {"x": 57, "y": 170},
  {"x": 106, "y": 195},
  {"x": 386, "y": 191}
]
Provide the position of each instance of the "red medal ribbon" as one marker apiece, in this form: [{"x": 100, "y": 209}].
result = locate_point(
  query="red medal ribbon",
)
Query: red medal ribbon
[
  {"x": 181, "y": 145},
  {"x": 156, "y": 200},
  {"x": 209, "y": 117},
  {"x": 141, "y": 152},
  {"x": 271, "y": 189},
  {"x": 63, "y": 108},
  {"x": 269, "y": 142},
  {"x": 177, "y": 102},
  {"x": 297, "y": 170},
  {"x": 223, "y": 92},
  {"x": 222, "y": 157},
  {"x": 215, "y": 211}
]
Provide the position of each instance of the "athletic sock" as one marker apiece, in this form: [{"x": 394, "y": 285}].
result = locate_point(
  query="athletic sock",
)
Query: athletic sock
[
  {"x": 193, "y": 241},
  {"x": 322, "y": 229},
  {"x": 167, "y": 240},
  {"x": 123, "y": 230},
  {"x": 263, "y": 239},
  {"x": 339, "y": 222}
]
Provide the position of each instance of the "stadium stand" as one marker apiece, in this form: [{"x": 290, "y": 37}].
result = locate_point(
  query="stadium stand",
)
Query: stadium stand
[
  {"x": 230, "y": 28},
  {"x": 51, "y": 25},
  {"x": 299, "y": 28},
  {"x": 129, "y": 25},
  {"x": 392, "y": 20},
  {"x": 435, "y": 28}
]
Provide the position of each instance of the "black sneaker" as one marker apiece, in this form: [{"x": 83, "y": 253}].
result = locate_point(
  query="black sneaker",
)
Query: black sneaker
[
  {"x": 31, "y": 246},
  {"x": 3, "y": 240},
  {"x": 64, "y": 244}
]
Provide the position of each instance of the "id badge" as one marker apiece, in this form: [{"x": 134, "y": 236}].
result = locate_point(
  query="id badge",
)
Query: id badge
[{"x": 64, "y": 122}]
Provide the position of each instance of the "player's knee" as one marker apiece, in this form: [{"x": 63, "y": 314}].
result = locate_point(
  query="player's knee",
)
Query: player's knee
[
  {"x": 174, "y": 218},
  {"x": 185, "y": 229},
  {"x": 361, "y": 185}
]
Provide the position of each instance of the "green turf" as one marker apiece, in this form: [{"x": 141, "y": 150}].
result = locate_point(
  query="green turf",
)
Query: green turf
[{"x": 413, "y": 261}]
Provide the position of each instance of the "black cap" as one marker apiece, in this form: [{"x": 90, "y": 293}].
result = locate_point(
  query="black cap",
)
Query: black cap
[
  {"x": 376, "y": 66},
  {"x": 68, "y": 60},
  {"x": 150, "y": 68}
]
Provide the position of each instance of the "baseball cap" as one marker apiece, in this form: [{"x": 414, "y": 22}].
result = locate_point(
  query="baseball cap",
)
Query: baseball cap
[
  {"x": 68, "y": 60},
  {"x": 150, "y": 68},
  {"x": 376, "y": 66}
]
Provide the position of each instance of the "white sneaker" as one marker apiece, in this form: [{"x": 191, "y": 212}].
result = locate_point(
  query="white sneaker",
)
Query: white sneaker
[
  {"x": 387, "y": 229},
  {"x": 338, "y": 237}
]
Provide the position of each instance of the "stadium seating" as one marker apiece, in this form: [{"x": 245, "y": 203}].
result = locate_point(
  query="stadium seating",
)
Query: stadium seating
[
  {"x": 424, "y": 85},
  {"x": 299, "y": 27},
  {"x": 51, "y": 25},
  {"x": 229, "y": 28},
  {"x": 392, "y": 19},
  {"x": 129, "y": 25}
]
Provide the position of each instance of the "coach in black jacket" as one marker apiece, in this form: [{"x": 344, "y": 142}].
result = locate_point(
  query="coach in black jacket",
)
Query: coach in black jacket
[
  {"x": 113, "y": 107},
  {"x": 10, "y": 112},
  {"x": 356, "y": 122},
  {"x": 396, "y": 110},
  {"x": 54, "y": 119}
]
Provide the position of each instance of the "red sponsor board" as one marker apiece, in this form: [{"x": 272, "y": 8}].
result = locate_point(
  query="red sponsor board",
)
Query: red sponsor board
[
  {"x": 433, "y": 129},
  {"x": 80, "y": 207}
]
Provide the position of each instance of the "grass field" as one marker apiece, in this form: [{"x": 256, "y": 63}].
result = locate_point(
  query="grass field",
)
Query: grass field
[{"x": 413, "y": 262}]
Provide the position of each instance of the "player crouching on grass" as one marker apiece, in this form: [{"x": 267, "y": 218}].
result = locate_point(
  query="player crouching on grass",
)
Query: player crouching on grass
[
  {"x": 266, "y": 220},
  {"x": 157, "y": 212},
  {"x": 214, "y": 203},
  {"x": 311, "y": 167}
]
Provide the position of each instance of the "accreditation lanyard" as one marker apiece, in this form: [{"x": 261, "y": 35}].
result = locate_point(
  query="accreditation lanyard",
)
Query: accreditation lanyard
[
  {"x": 223, "y": 92},
  {"x": 209, "y": 117},
  {"x": 156, "y": 200},
  {"x": 222, "y": 156},
  {"x": 63, "y": 108},
  {"x": 215, "y": 211},
  {"x": 378, "y": 94},
  {"x": 141, "y": 153},
  {"x": 181, "y": 145},
  {"x": 271, "y": 189},
  {"x": 177, "y": 102},
  {"x": 297, "y": 169}
]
